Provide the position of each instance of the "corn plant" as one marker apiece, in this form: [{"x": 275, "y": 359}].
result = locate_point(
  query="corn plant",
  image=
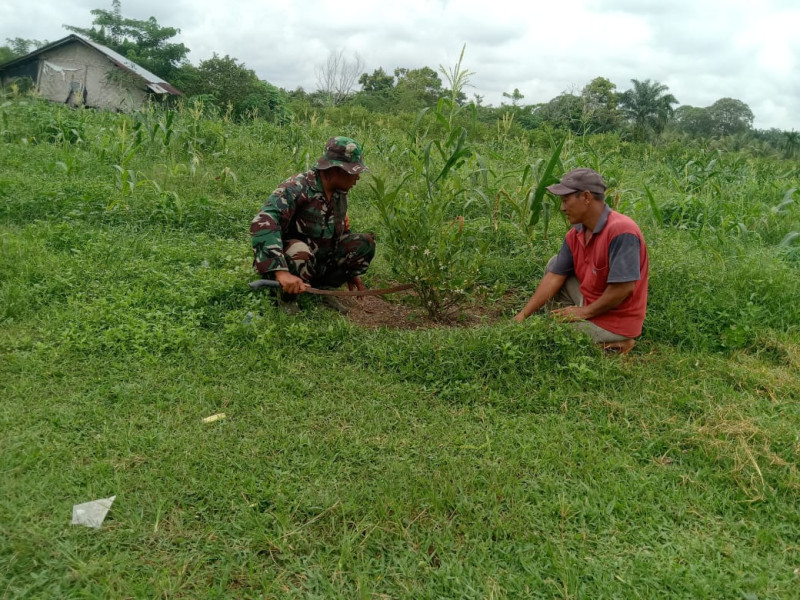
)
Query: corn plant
[
  {"x": 69, "y": 164},
  {"x": 504, "y": 125},
  {"x": 202, "y": 132},
  {"x": 121, "y": 145},
  {"x": 168, "y": 203},
  {"x": 171, "y": 170},
  {"x": 458, "y": 79},
  {"x": 125, "y": 183},
  {"x": 694, "y": 176},
  {"x": 654, "y": 206},
  {"x": 159, "y": 125},
  {"x": 789, "y": 239},
  {"x": 225, "y": 178},
  {"x": 5, "y": 131},
  {"x": 530, "y": 204}
]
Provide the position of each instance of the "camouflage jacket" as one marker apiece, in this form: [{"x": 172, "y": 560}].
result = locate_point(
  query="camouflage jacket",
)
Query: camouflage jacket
[{"x": 297, "y": 210}]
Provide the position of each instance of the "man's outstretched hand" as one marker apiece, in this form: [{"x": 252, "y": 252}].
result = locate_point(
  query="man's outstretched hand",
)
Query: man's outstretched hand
[
  {"x": 291, "y": 284},
  {"x": 570, "y": 314}
]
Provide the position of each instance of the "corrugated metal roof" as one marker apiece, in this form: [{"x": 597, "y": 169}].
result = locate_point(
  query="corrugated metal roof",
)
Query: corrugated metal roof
[
  {"x": 157, "y": 88},
  {"x": 154, "y": 82},
  {"x": 124, "y": 62}
]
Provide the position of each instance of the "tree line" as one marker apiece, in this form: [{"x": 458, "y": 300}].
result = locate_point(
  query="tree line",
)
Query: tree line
[{"x": 642, "y": 113}]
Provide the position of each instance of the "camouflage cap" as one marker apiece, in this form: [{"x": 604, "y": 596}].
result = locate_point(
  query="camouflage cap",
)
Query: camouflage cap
[{"x": 342, "y": 152}]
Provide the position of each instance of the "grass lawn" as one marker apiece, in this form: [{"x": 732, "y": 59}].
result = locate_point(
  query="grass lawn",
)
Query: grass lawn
[
  {"x": 499, "y": 461},
  {"x": 504, "y": 461}
]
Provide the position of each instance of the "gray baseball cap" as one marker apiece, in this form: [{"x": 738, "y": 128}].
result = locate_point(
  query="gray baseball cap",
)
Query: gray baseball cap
[{"x": 579, "y": 180}]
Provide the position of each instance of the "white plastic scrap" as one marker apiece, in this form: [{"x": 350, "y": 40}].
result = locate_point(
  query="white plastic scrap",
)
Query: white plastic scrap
[
  {"x": 58, "y": 69},
  {"x": 92, "y": 513}
]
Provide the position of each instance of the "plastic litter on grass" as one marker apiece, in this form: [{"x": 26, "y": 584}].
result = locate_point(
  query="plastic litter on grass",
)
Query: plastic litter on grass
[{"x": 92, "y": 514}]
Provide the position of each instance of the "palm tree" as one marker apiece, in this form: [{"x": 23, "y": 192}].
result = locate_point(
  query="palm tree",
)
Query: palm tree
[
  {"x": 648, "y": 105},
  {"x": 791, "y": 143}
]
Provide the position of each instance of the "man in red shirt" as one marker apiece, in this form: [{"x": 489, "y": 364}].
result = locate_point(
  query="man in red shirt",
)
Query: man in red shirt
[{"x": 599, "y": 276}]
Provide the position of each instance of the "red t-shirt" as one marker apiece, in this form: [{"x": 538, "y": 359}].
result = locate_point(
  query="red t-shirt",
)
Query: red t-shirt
[{"x": 591, "y": 265}]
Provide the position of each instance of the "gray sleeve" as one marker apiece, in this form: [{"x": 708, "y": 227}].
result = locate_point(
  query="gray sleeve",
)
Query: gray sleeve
[
  {"x": 623, "y": 259},
  {"x": 563, "y": 263}
]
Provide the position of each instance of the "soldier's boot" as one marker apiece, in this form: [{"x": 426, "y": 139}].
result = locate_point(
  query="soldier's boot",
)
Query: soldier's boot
[
  {"x": 288, "y": 303},
  {"x": 330, "y": 281},
  {"x": 336, "y": 304}
]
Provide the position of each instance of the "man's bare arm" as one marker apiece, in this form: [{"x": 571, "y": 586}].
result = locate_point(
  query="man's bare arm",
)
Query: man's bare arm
[
  {"x": 614, "y": 295},
  {"x": 548, "y": 287}
]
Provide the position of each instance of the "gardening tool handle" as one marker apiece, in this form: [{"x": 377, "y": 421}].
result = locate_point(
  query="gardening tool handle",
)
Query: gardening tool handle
[{"x": 259, "y": 283}]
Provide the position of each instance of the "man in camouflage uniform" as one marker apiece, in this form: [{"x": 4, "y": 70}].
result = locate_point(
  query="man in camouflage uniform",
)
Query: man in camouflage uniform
[{"x": 301, "y": 237}]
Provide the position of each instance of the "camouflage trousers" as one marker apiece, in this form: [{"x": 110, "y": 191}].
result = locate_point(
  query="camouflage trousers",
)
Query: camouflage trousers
[{"x": 332, "y": 267}]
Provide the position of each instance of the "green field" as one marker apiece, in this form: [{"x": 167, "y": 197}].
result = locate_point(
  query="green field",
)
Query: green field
[{"x": 501, "y": 461}]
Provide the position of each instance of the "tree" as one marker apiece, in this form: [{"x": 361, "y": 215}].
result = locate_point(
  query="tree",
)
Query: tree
[
  {"x": 776, "y": 140},
  {"x": 230, "y": 83},
  {"x": 726, "y": 117},
  {"x": 376, "y": 91},
  {"x": 265, "y": 100},
  {"x": 791, "y": 143},
  {"x": 378, "y": 82},
  {"x": 730, "y": 116},
  {"x": 337, "y": 77},
  {"x": 600, "y": 106},
  {"x": 417, "y": 88},
  {"x": 694, "y": 121},
  {"x": 19, "y": 47},
  {"x": 514, "y": 96},
  {"x": 562, "y": 112},
  {"x": 143, "y": 42},
  {"x": 648, "y": 106}
]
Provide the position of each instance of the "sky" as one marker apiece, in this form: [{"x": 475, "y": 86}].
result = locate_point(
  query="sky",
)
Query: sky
[{"x": 703, "y": 50}]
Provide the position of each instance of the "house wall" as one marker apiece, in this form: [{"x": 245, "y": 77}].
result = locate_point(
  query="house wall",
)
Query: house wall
[{"x": 76, "y": 74}]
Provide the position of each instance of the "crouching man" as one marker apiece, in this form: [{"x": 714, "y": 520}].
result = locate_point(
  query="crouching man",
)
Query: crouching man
[
  {"x": 599, "y": 276},
  {"x": 301, "y": 237}
]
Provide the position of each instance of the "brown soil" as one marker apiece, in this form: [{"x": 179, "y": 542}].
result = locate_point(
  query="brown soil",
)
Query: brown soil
[{"x": 394, "y": 312}]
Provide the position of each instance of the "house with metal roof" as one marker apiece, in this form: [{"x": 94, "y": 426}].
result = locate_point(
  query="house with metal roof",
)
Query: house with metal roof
[{"x": 80, "y": 72}]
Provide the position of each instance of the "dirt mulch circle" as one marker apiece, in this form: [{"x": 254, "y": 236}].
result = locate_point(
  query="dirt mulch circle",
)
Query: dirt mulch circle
[{"x": 395, "y": 312}]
